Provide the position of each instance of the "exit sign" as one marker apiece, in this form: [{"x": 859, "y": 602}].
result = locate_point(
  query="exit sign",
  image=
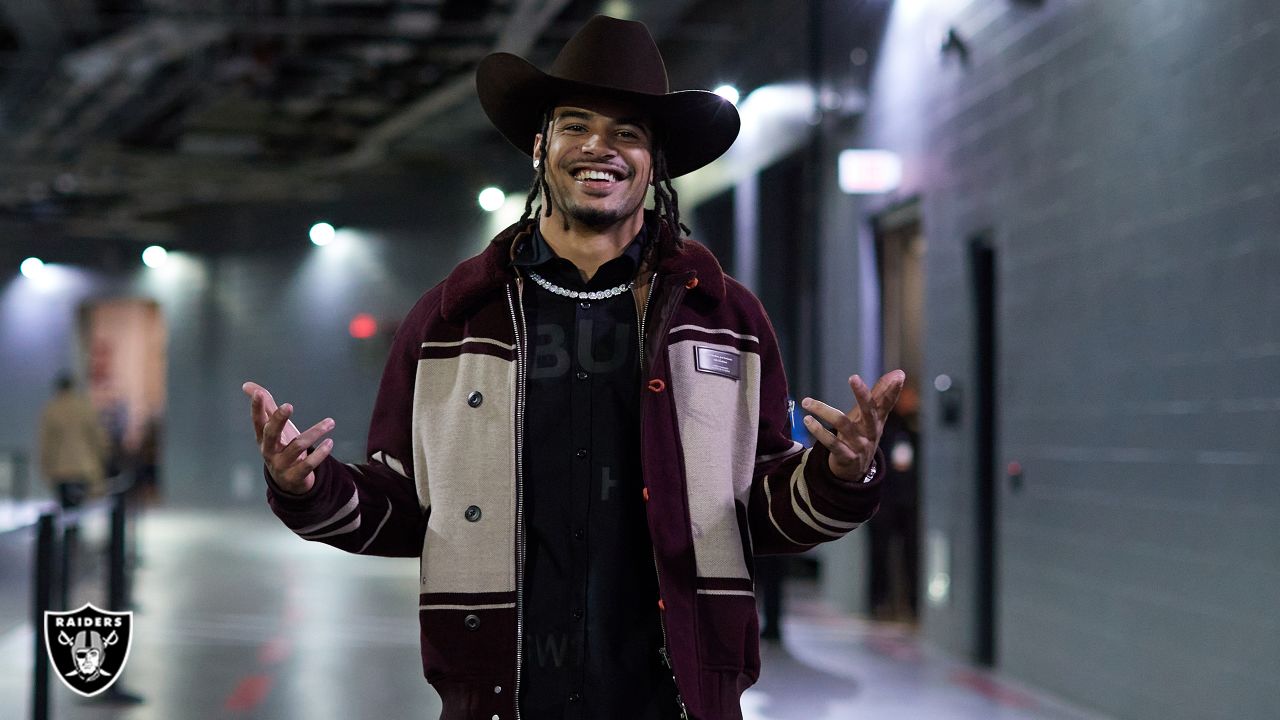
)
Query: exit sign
[{"x": 866, "y": 172}]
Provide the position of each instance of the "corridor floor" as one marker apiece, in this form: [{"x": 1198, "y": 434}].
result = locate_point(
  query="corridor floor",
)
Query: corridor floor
[{"x": 235, "y": 617}]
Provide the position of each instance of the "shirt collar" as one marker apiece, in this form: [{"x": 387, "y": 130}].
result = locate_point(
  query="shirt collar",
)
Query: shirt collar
[{"x": 533, "y": 251}]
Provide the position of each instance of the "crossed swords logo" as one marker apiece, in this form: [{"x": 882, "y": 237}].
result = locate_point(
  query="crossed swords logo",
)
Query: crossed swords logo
[{"x": 89, "y": 647}]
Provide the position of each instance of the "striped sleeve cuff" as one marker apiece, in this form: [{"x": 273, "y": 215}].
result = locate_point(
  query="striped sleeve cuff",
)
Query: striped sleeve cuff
[{"x": 833, "y": 495}]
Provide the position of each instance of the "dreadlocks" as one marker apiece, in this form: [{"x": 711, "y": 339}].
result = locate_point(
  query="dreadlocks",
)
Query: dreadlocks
[
  {"x": 666, "y": 201},
  {"x": 540, "y": 174}
]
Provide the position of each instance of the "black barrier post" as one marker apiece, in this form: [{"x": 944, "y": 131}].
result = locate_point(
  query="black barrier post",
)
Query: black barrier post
[
  {"x": 117, "y": 579},
  {"x": 43, "y": 592},
  {"x": 67, "y": 575}
]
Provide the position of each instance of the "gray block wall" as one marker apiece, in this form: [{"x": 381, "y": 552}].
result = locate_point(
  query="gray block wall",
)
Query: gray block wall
[{"x": 1125, "y": 159}]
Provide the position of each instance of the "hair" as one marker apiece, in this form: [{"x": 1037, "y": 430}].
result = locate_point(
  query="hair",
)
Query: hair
[{"x": 666, "y": 201}]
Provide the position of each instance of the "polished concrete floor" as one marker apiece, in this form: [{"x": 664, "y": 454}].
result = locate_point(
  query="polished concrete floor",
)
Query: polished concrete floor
[{"x": 238, "y": 618}]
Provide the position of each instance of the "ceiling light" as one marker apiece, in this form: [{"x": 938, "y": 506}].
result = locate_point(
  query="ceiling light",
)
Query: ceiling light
[
  {"x": 728, "y": 92},
  {"x": 322, "y": 233},
  {"x": 155, "y": 256},
  {"x": 491, "y": 198},
  {"x": 32, "y": 267}
]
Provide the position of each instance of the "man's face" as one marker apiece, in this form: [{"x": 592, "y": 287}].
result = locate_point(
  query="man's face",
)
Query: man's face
[
  {"x": 87, "y": 660},
  {"x": 599, "y": 162}
]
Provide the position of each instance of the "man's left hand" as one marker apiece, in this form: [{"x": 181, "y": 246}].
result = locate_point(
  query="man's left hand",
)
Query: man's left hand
[{"x": 856, "y": 433}]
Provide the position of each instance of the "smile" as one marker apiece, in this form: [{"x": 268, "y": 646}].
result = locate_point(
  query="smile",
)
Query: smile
[{"x": 597, "y": 176}]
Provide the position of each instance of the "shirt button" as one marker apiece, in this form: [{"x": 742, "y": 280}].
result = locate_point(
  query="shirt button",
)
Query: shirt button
[
  {"x": 472, "y": 513},
  {"x": 575, "y": 697},
  {"x": 582, "y": 375},
  {"x": 582, "y": 452},
  {"x": 577, "y": 614},
  {"x": 475, "y": 398},
  {"x": 578, "y": 534}
]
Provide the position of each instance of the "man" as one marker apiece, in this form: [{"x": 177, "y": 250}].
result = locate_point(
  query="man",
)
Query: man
[
  {"x": 73, "y": 445},
  {"x": 583, "y": 431}
]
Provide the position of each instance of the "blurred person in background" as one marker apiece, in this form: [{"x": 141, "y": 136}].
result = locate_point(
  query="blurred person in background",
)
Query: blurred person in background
[
  {"x": 574, "y": 566},
  {"x": 895, "y": 530},
  {"x": 73, "y": 445}
]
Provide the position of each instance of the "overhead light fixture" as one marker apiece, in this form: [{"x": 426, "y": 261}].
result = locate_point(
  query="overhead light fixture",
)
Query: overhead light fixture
[
  {"x": 728, "y": 92},
  {"x": 322, "y": 233},
  {"x": 491, "y": 199},
  {"x": 32, "y": 267},
  {"x": 155, "y": 256}
]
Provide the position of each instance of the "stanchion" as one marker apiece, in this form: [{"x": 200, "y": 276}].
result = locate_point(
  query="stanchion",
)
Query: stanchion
[
  {"x": 118, "y": 581},
  {"x": 70, "y": 549},
  {"x": 117, "y": 577},
  {"x": 46, "y": 549}
]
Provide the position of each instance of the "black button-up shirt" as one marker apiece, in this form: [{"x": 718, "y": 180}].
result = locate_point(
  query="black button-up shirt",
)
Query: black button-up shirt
[{"x": 591, "y": 632}]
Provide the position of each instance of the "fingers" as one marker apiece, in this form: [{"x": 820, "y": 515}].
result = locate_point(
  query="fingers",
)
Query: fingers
[
  {"x": 867, "y": 416},
  {"x": 887, "y": 390},
  {"x": 299, "y": 444},
  {"x": 835, "y": 418},
  {"x": 297, "y": 476},
  {"x": 260, "y": 407}
]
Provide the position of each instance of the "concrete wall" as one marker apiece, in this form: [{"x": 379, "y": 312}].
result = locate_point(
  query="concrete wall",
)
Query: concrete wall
[{"x": 1123, "y": 157}]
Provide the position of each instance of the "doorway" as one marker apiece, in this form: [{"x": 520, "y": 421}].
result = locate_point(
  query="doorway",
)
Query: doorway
[
  {"x": 122, "y": 344},
  {"x": 895, "y": 531},
  {"x": 982, "y": 264}
]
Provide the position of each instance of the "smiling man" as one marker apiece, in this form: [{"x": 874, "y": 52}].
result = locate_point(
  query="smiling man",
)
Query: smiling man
[{"x": 584, "y": 431}]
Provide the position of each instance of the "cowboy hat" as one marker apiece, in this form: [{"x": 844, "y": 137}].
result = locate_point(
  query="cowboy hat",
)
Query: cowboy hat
[{"x": 615, "y": 59}]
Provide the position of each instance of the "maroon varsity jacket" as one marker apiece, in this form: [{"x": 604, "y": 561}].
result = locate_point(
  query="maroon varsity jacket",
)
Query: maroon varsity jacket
[{"x": 443, "y": 477}]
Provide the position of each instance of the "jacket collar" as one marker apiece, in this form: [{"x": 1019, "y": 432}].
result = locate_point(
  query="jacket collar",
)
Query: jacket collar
[{"x": 474, "y": 279}]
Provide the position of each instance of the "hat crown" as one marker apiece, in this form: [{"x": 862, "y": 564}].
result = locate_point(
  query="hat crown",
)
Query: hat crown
[{"x": 613, "y": 53}]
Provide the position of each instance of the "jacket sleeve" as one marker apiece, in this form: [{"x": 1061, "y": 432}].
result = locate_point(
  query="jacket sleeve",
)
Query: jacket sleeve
[
  {"x": 796, "y": 502},
  {"x": 371, "y": 508}
]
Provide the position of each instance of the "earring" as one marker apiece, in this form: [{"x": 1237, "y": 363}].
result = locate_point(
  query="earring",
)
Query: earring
[{"x": 536, "y": 163}]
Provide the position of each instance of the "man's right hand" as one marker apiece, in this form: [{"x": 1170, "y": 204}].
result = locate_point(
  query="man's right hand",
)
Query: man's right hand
[{"x": 284, "y": 449}]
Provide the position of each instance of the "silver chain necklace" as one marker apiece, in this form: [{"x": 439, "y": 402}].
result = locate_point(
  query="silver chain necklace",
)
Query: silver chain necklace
[{"x": 583, "y": 294}]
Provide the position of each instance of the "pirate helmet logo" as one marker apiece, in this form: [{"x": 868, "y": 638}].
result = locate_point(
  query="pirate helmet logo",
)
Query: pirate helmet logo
[{"x": 88, "y": 647}]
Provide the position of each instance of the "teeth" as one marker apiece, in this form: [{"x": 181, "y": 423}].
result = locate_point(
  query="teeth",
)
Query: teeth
[{"x": 595, "y": 175}]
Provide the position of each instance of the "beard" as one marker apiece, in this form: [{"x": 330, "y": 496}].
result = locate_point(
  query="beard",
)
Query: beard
[{"x": 591, "y": 217}]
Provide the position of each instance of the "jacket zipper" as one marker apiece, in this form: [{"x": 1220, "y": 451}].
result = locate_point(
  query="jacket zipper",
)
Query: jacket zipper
[
  {"x": 521, "y": 351},
  {"x": 662, "y": 621}
]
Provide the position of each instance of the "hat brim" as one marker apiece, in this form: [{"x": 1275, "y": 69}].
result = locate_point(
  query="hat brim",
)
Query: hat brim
[{"x": 695, "y": 126}]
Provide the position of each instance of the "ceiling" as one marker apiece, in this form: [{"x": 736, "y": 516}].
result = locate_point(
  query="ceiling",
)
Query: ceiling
[{"x": 116, "y": 114}]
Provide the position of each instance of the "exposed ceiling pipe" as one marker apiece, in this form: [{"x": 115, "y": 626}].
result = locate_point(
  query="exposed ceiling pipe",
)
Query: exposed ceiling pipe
[{"x": 524, "y": 26}]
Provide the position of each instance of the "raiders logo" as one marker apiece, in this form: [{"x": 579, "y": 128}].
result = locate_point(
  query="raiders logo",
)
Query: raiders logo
[{"x": 88, "y": 646}]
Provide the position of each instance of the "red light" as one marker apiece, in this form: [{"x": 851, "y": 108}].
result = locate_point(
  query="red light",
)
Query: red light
[{"x": 363, "y": 326}]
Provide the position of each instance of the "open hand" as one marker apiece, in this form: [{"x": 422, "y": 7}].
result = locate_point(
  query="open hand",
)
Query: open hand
[
  {"x": 284, "y": 449},
  {"x": 856, "y": 433}
]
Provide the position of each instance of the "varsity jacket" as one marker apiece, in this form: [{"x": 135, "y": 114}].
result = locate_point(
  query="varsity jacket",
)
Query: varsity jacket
[{"x": 443, "y": 480}]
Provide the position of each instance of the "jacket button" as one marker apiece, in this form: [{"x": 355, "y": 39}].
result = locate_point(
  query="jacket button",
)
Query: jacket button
[
  {"x": 472, "y": 622},
  {"x": 656, "y": 385},
  {"x": 582, "y": 375},
  {"x": 575, "y": 697},
  {"x": 472, "y": 513},
  {"x": 577, "y": 614},
  {"x": 661, "y": 605},
  {"x": 644, "y": 492},
  {"x": 475, "y": 398},
  {"x": 497, "y": 689},
  {"x": 582, "y": 452}
]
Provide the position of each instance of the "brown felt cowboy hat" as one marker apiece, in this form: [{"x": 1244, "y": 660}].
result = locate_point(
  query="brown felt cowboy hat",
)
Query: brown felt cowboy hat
[{"x": 611, "y": 58}]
